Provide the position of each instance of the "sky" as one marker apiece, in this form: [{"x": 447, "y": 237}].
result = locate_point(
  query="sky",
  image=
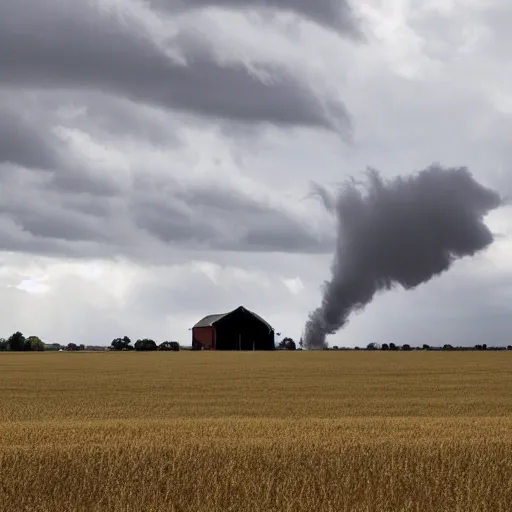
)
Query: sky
[{"x": 157, "y": 159}]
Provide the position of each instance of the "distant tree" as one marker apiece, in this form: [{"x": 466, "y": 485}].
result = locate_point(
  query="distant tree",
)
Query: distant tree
[
  {"x": 34, "y": 343},
  {"x": 72, "y": 346},
  {"x": 335, "y": 347},
  {"x": 426, "y": 347},
  {"x": 373, "y": 346},
  {"x": 406, "y": 347},
  {"x": 392, "y": 346},
  {"x": 283, "y": 343},
  {"x": 484, "y": 347},
  {"x": 145, "y": 344},
  {"x": 290, "y": 344},
  {"x": 4, "y": 345},
  {"x": 509, "y": 347},
  {"x": 448, "y": 347},
  {"x": 121, "y": 343},
  {"x": 356, "y": 348},
  {"x": 16, "y": 342},
  {"x": 385, "y": 346},
  {"x": 81, "y": 347},
  {"x": 169, "y": 345}
]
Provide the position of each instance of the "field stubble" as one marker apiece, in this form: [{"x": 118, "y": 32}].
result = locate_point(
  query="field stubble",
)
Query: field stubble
[{"x": 256, "y": 432}]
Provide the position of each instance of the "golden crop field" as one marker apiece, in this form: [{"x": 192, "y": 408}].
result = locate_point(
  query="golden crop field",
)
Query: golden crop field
[{"x": 250, "y": 432}]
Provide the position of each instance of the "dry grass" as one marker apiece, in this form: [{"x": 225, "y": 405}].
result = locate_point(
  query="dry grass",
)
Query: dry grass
[{"x": 256, "y": 432}]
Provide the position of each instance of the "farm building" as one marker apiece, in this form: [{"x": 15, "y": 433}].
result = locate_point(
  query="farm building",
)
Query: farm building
[{"x": 239, "y": 329}]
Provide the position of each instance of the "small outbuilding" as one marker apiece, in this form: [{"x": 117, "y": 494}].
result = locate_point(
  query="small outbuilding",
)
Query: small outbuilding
[{"x": 239, "y": 329}]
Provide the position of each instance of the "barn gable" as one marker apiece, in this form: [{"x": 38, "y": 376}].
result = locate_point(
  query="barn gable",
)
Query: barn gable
[{"x": 239, "y": 329}]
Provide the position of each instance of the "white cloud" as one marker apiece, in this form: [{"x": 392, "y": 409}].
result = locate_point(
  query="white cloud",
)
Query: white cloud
[
  {"x": 295, "y": 285},
  {"x": 33, "y": 285}
]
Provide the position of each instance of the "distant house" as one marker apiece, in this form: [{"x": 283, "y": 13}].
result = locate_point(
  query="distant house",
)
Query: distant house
[{"x": 239, "y": 329}]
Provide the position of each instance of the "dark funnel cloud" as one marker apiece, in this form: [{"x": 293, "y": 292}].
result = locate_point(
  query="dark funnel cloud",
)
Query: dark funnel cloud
[{"x": 402, "y": 231}]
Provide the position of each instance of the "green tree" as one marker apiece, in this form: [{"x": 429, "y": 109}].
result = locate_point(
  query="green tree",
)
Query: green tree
[
  {"x": 286, "y": 344},
  {"x": 16, "y": 342},
  {"x": 3, "y": 345},
  {"x": 145, "y": 345},
  {"x": 34, "y": 344},
  {"x": 290, "y": 344},
  {"x": 121, "y": 343},
  {"x": 169, "y": 345}
]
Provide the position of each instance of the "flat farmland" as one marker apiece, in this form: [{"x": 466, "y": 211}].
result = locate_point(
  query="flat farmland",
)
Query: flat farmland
[{"x": 303, "y": 431}]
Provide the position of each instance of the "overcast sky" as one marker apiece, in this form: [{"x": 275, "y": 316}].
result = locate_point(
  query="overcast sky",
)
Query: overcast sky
[{"x": 156, "y": 159}]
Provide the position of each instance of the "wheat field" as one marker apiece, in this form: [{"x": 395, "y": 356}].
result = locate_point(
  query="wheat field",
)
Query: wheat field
[{"x": 323, "y": 431}]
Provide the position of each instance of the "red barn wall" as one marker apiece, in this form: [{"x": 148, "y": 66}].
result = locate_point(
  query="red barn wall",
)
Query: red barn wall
[{"x": 205, "y": 336}]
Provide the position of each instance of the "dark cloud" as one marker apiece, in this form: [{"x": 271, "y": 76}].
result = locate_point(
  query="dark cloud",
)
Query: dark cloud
[
  {"x": 24, "y": 202},
  {"x": 217, "y": 218},
  {"x": 28, "y": 140},
  {"x": 81, "y": 47},
  {"x": 61, "y": 227},
  {"x": 86, "y": 75},
  {"x": 110, "y": 117},
  {"x": 169, "y": 224},
  {"x": 287, "y": 236},
  {"x": 335, "y": 14},
  {"x": 21, "y": 142},
  {"x": 403, "y": 232},
  {"x": 39, "y": 215},
  {"x": 77, "y": 178}
]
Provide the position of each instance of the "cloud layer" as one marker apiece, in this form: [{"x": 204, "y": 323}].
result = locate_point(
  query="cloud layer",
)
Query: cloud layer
[
  {"x": 125, "y": 49},
  {"x": 335, "y": 14}
]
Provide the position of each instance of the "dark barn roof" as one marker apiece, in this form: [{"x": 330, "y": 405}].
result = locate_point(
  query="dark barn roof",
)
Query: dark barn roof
[{"x": 211, "y": 320}]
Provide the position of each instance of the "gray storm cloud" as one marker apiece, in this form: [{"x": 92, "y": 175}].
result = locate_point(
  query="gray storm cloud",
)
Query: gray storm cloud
[
  {"x": 335, "y": 14},
  {"x": 99, "y": 73},
  {"x": 89, "y": 47},
  {"x": 402, "y": 231}
]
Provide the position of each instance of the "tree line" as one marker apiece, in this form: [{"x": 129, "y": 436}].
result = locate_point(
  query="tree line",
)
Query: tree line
[
  {"x": 143, "y": 345},
  {"x": 19, "y": 343},
  {"x": 407, "y": 347}
]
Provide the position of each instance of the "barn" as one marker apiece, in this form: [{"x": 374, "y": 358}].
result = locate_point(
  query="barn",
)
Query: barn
[{"x": 239, "y": 329}]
